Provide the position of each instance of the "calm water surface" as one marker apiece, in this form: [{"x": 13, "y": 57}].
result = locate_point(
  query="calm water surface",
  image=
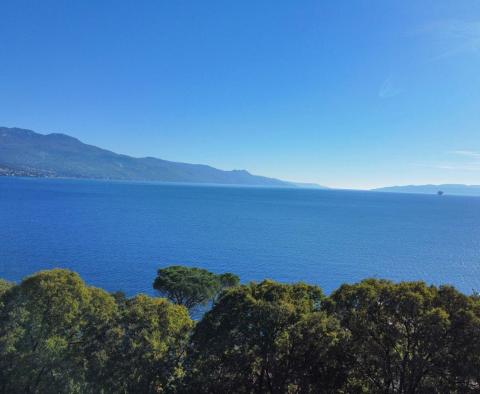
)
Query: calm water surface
[{"x": 116, "y": 235}]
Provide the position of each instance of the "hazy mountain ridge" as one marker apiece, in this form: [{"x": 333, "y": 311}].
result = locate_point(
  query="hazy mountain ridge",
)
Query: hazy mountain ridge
[
  {"x": 27, "y": 153},
  {"x": 454, "y": 189}
]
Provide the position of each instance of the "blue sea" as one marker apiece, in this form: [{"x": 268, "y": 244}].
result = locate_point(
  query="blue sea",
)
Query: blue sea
[{"x": 117, "y": 234}]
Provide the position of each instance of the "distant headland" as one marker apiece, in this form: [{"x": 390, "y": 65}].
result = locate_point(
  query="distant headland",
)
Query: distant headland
[{"x": 448, "y": 189}]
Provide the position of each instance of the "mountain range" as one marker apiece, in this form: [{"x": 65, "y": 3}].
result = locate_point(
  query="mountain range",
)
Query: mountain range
[{"x": 27, "y": 153}]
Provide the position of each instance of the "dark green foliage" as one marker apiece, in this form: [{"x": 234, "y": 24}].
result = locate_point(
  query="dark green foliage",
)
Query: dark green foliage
[
  {"x": 258, "y": 338},
  {"x": 4, "y": 286},
  {"x": 58, "y": 335},
  {"x": 149, "y": 350},
  {"x": 46, "y": 321},
  {"x": 191, "y": 287},
  {"x": 410, "y": 337},
  {"x": 462, "y": 361}
]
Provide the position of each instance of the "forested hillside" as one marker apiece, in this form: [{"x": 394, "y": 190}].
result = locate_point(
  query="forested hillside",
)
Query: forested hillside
[{"x": 26, "y": 153}]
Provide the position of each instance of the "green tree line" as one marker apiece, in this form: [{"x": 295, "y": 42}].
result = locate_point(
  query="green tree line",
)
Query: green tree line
[{"x": 58, "y": 335}]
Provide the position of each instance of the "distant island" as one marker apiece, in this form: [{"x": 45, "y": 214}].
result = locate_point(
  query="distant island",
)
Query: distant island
[
  {"x": 27, "y": 153},
  {"x": 452, "y": 189}
]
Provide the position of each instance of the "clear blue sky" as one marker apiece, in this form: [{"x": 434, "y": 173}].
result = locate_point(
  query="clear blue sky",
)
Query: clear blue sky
[{"x": 347, "y": 94}]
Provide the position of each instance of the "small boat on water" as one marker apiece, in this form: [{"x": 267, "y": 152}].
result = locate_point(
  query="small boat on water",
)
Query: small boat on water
[{"x": 440, "y": 193}]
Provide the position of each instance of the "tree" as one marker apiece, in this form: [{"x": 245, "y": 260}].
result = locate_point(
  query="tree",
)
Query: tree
[
  {"x": 46, "y": 323},
  {"x": 400, "y": 335},
  {"x": 58, "y": 335},
  {"x": 149, "y": 355},
  {"x": 265, "y": 338},
  {"x": 191, "y": 287},
  {"x": 4, "y": 287},
  {"x": 461, "y": 366}
]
